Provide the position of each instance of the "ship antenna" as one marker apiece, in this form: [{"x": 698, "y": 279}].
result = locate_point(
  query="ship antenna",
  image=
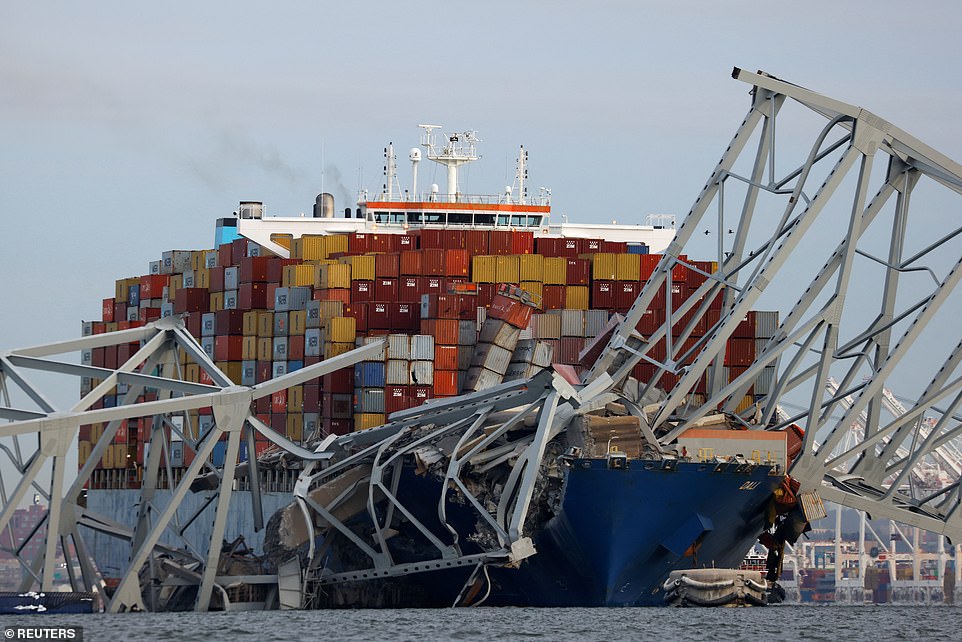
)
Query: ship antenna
[
  {"x": 461, "y": 148},
  {"x": 521, "y": 175},
  {"x": 390, "y": 173}
]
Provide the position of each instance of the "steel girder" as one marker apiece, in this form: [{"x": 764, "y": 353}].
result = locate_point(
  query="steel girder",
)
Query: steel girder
[
  {"x": 32, "y": 438},
  {"x": 834, "y": 328}
]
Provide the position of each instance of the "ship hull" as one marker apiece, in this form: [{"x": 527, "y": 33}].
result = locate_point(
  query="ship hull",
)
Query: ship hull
[{"x": 616, "y": 536}]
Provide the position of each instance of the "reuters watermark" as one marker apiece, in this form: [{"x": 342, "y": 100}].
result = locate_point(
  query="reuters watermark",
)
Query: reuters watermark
[{"x": 74, "y": 633}]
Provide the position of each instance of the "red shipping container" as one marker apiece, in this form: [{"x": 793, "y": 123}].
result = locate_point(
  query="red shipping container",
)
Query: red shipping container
[
  {"x": 387, "y": 266},
  {"x": 420, "y": 394},
  {"x": 108, "y": 311},
  {"x": 553, "y": 297},
  {"x": 679, "y": 294},
  {"x": 445, "y": 382},
  {"x": 511, "y": 311},
  {"x": 499, "y": 242},
  {"x": 381, "y": 243},
  {"x": 279, "y": 421},
  {"x": 379, "y": 316},
  {"x": 295, "y": 347},
  {"x": 253, "y": 296},
  {"x": 358, "y": 243},
  {"x": 746, "y": 328},
  {"x": 279, "y": 402},
  {"x": 99, "y": 328},
  {"x": 486, "y": 292},
  {"x": 385, "y": 289},
  {"x": 152, "y": 286},
  {"x": 522, "y": 243},
  {"x": 736, "y": 371},
  {"x": 192, "y": 300},
  {"x": 445, "y": 358},
  {"x": 739, "y": 352},
  {"x": 476, "y": 242},
  {"x": 432, "y": 262},
  {"x": 695, "y": 279},
  {"x": 312, "y": 397},
  {"x": 431, "y": 239},
  {"x": 453, "y": 239},
  {"x": 338, "y": 382},
  {"x": 254, "y": 269},
  {"x": 444, "y": 331},
  {"x": 409, "y": 289},
  {"x": 547, "y": 246},
  {"x": 120, "y": 437},
  {"x": 625, "y": 294},
  {"x": 397, "y": 398},
  {"x": 264, "y": 370},
  {"x": 333, "y": 294},
  {"x": 592, "y": 246},
  {"x": 337, "y": 426},
  {"x": 215, "y": 277},
  {"x": 404, "y": 242},
  {"x": 205, "y": 378},
  {"x": 405, "y": 316},
  {"x": 120, "y": 312},
  {"x": 362, "y": 291},
  {"x": 578, "y": 271},
  {"x": 571, "y": 347},
  {"x": 229, "y": 322},
  {"x": 238, "y": 250},
  {"x": 432, "y": 285},
  {"x": 228, "y": 347},
  {"x": 410, "y": 263},
  {"x": 359, "y": 311},
  {"x": 571, "y": 247},
  {"x": 224, "y": 252},
  {"x": 456, "y": 263},
  {"x": 442, "y": 306},
  {"x": 651, "y": 319},
  {"x": 603, "y": 295}
]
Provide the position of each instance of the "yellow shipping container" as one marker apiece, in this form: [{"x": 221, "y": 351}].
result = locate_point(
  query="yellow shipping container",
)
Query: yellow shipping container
[
  {"x": 311, "y": 247},
  {"x": 531, "y": 267},
  {"x": 265, "y": 324},
  {"x": 576, "y": 297},
  {"x": 107, "y": 460},
  {"x": 216, "y": 301},
  {"x": 344, "y": 330},
  {"x": 176, "y": 282},
  {"x": 604, "y": 266},
  {"x": 249, "y": 348},
  {"x": 250, "y": 323},
  {"x": 508, "y": 268},
  {"x": 295, "y": 398},
  {"x": 331, "y": 309},
  {"x": 555, "y": 270},
  {"x": 192, "y": 372},
  {"x": 335, "y": 349},
  {"x": 747, "y": 402},
  {"x": 629, "y": 267},
  {"x": 120, "y": 455},
  {"x": 362, "y": 267},
  {"x": 198, "y": 259},
  {"x": 295, "y": 426},
  {"x": 534, "y": 288},
  {"x": 83, "y": 451},
  {"x": 232, "y": 369},
  {"x": 284, "y": 240},
  {"x": 365, "y": 420},
  {"x": 484, "y": 269},
  {"x": 265, "y": 349},
  {"x": 296, "y": 321},
  {"x": 298, "y": 275},
  {"x": 334, "y": 275},
  {"x": 336, "y": 243}
]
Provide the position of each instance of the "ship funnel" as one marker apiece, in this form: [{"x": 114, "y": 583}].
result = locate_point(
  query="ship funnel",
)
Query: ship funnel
[
  {"x": 324, "y": 206},
  {"x": 250, "y": 209}
]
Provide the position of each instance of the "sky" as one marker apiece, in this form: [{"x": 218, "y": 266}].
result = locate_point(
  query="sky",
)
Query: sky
[{"x": 127, "y": 129}]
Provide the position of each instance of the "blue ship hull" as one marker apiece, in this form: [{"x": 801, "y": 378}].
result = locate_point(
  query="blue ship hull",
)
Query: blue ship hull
[{"x": 613, "y": 541}]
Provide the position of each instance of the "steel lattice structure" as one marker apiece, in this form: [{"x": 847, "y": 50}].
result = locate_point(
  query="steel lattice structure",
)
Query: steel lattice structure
[{"x": 821, "y": 336}]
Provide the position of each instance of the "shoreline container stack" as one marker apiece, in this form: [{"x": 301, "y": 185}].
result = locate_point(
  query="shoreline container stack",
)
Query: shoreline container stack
[{"x": 462, "y": 310}]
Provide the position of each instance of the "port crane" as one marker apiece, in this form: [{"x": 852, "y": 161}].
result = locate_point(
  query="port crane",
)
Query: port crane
[{"x": 823, "y": 226}]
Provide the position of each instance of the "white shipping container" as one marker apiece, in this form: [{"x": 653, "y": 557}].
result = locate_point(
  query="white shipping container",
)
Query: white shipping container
[
  {"x": 371, "y": 400},
  {"x": 523, "y": 351},
  {"x": 397, "y": 372},
  {"x": 516, "y": 371},
  {"x": 422, "y": 373},
  {"x": 492, "y": 357},
  {"x": 766, "y": 324},
  {"x": 480, "y": 379},
  {"x": 465, "y": 354},
  {"x": 543, "y": 354},
  {"x": 231, "y": 278},
  {"x": 548, "y": 326},
  {"x": 467, "y": 333},
  {"x": 230, "y": 300},
  {"x": 595, "y": 322},
  {"x": 572, "y": 322},
  {"x": 500, "y": 333},
  {"x": 399, "y": 347},
  {"x": 422, "y": 347},
  {"x": 380, "y": 355}
]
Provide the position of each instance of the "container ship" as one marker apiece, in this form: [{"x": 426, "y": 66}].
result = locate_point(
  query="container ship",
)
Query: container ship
[{"x": 470, "y": 294}]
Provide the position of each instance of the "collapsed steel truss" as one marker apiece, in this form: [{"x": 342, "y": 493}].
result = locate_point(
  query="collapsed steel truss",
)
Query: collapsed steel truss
[
  {"x": 813, "y": 341},
  {"x": 824, "y": 333}
]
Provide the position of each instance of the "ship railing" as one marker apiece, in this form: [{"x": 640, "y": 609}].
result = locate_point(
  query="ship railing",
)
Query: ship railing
[{"x": 461, "y": 198}]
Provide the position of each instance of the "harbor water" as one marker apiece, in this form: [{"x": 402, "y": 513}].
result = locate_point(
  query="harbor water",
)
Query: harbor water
[{"x": 786, "y": 622}]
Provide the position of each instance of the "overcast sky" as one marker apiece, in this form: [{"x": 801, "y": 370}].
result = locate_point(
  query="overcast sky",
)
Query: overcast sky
[{"x": 126, "y": 128}]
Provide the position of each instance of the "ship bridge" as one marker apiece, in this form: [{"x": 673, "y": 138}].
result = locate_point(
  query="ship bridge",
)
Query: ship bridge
[{"x": 833, "y": 219}]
